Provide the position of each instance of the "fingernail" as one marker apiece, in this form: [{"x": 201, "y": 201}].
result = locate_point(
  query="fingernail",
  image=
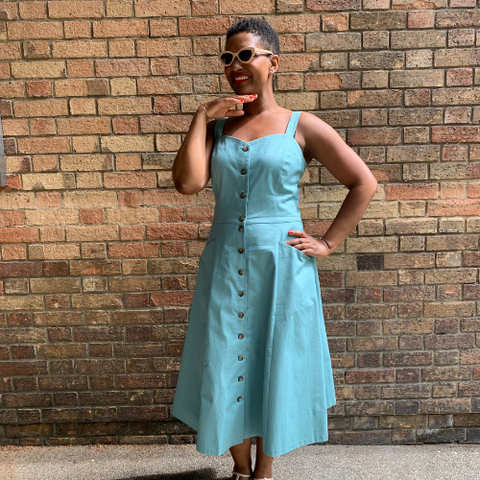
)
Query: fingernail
[
  {"x": 290, "y": 232},
  {"x": 241, "y": 101}
]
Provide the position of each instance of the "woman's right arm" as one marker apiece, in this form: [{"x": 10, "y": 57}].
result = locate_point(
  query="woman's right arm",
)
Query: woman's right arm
[{"x": 191, "y": 168}]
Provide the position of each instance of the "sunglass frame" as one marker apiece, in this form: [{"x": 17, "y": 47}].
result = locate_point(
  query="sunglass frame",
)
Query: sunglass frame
[{"x": 255, "y": 51}]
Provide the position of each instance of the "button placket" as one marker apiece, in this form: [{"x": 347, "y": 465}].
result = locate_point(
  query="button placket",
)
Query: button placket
[{"x": 241, "y": 228}]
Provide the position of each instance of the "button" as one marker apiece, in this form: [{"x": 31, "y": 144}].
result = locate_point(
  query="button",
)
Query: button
[
  {"x": 241, "y": 228},
  {"x": 239, "y": 399},
  {"x": 240, "y": 250},
  {"x": 242, "y": 218},
  {"x": 241, "y": 314},
  {"x": 240, "y": 357},
  {"x": 240, "y": 272},
  {"x": 240, "y": 336},
  {"x": 243, "y": 171},
  {"x": 243, "y": 195},
  {"x": 240, "y": 293},
  {"x": 240, "y": 378},
  {"x": 245, "y": 148}
]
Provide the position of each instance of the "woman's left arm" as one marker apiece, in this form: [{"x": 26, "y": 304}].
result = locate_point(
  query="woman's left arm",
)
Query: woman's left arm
[{"x": 324, "y": 144}]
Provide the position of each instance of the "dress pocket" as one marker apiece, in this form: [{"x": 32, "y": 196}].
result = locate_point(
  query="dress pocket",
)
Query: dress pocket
[
  {"x": 206, "y": 266},
  {"x": 209, "y": 242},
  {"x": 290, "y": 247},
  {"x": 295, "y": 279}
]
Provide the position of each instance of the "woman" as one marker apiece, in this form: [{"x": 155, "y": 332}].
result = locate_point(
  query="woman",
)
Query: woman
[{"x": 256, "y": 359}]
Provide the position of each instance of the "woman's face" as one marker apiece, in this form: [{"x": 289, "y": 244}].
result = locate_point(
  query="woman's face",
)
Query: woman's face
[{"x": 258, "y": 71}]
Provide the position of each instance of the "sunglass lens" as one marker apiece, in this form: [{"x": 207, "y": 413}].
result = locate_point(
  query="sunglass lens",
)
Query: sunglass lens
[
  {"x": 227, "y": 58},
  {"x": 245, "y": 55}
]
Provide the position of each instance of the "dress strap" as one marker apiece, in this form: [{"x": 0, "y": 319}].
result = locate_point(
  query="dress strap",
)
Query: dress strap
[
  {"x": 292, "y": 123},
  {"x": 219, "y": 126}
]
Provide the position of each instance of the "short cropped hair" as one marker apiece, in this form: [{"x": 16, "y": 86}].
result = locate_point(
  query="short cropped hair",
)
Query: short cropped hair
[{"x": 260, "y": 28}]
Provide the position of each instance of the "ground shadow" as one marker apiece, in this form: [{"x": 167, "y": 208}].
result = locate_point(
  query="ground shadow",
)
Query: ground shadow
[{"x": 199, "y": 474}]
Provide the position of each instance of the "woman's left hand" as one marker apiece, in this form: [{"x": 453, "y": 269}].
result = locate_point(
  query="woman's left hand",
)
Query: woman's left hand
[{"x": 308, "y": 245}]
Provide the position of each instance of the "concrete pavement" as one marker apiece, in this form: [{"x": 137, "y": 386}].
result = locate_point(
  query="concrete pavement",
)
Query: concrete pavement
[{"x": 172, "y": 462}]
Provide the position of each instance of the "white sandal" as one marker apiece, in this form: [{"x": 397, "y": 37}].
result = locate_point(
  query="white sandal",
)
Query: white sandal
[{"x": 238, "y": 474}]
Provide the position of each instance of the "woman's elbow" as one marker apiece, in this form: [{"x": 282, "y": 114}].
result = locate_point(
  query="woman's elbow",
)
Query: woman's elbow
[{"x": 186, "y": 189}]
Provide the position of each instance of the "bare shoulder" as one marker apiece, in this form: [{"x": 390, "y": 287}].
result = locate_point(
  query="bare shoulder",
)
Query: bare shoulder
[
  {"x": 313, "y": 133},
  {"x": 307, "y": 123}
]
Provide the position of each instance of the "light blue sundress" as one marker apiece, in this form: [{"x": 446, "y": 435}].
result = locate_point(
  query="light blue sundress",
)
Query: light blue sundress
[{"x": 256, "y": 360}]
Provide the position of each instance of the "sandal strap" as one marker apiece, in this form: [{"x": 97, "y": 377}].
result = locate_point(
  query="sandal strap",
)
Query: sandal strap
[{"x": 238, "y": 474}]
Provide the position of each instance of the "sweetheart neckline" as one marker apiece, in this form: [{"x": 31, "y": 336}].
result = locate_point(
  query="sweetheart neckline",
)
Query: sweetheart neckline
[
  {"x": 265, "y": 136},
  {"x": 255, "y": 139}
]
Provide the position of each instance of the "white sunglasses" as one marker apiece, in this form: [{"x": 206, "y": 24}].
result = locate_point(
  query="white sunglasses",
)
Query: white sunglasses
[{"x": 245, "y": 55}]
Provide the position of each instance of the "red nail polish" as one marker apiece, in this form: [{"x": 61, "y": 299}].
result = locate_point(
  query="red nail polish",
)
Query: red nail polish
[
  {"x": 290, "y": 232},
  {"x": 241, "y": 101}
]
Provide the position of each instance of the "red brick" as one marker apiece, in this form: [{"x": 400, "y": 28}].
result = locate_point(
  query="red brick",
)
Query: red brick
[
  {"x": 83, "y": 125},
  {"x": 39, "y": 88},
  {"x": 75, "y": 8},
  {"x": 171, "y": 298},
  {"x": 80, "y": 68},
  {"x": 8, "y": 11},
  {"x": 10, "y": 51},
  {"x": 137, "y": 67},
  {"x": 129, "y": 180},
  {"x": 162, "y": 232},
  {"x": 12, "y": 89},
  {"x": 18, "y": 235},
  {"x": 44, "y": 145},
  {"x": 79, "y": 49},
  {"x": 40, "y": 108},
  {"x": 91, "y": 216},
  {"x": 13, "y": 127},
  {"x": 39, "y": 69},
  {"x": 125, "y": 125},
  {"x": 34, "y": 30},
  {"x": 23, "y": 368},
  {"x": 37, "y": 49},
  {"x": 120, "y": 28},
  {"x": 160, "y": 8},
  {"x": 42, "y": 126},
  {"x": 4, "y": 70},
  {"x": 32, "y": 10},
  {"x": 77, "y": 29},
  {"x": 411, "y": 191},
  {"x": 81, "y": 88},
  {"x": 133, "y": 250},
  {"x": 14, "y": 252},
  {"x": 121, "y": 48}
]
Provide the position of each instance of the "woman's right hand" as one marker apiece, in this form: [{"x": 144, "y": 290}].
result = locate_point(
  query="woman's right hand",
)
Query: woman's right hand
[{"x": 220, "y": 107}]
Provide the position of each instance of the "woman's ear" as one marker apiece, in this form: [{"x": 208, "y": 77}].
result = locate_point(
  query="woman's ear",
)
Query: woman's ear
[{"x": 274, "y": 63}]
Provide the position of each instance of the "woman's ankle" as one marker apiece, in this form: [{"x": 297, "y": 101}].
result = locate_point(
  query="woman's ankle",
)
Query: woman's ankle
[
  {"x": 246, "y": 470},
  {"x": 264, "y": 474}
]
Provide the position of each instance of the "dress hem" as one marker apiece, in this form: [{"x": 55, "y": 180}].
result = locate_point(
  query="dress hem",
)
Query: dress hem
[{"x": 315, "y": 439}]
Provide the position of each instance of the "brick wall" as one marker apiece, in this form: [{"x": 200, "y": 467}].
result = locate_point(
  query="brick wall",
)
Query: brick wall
[{"x": 99, "y": 252}]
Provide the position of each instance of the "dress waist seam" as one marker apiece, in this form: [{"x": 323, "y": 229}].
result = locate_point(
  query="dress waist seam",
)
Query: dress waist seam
[{"x": 260, "y": 220}]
